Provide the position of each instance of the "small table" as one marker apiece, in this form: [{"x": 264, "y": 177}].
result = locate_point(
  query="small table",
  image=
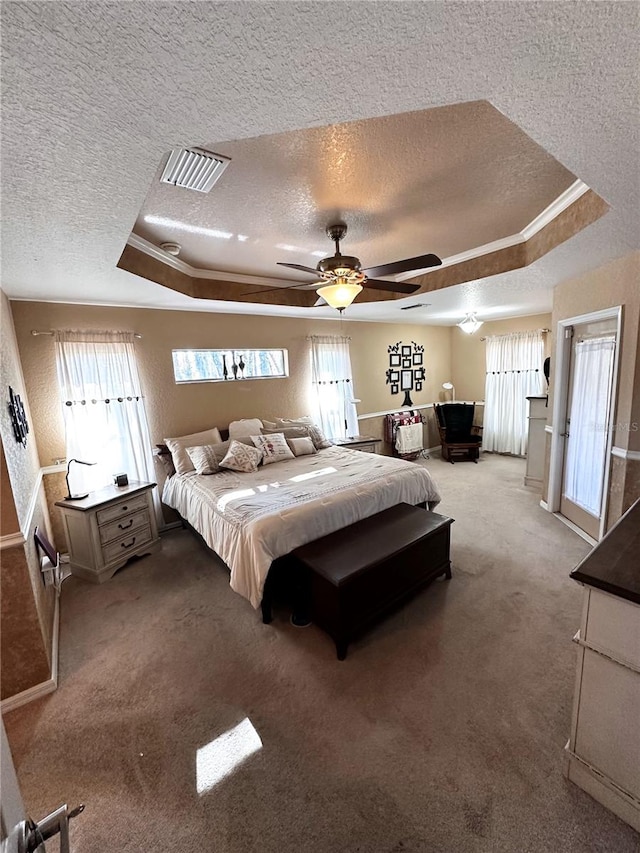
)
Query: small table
[
  {"x": 107, "y": 528},
  {"x": 365, "y": 443}
]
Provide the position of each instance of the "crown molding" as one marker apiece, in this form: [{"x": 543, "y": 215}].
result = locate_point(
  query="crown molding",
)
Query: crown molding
[
  {"x": 623, "y": 453},
  {"x": 560, "y": 204}
]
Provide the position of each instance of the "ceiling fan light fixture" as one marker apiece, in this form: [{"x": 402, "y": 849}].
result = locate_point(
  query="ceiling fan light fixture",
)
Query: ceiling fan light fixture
[
  {"x": 470, "y": 324},
  {"x": 339, "y": 294}
]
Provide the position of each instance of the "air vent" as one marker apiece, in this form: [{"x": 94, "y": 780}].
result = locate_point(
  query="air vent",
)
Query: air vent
[
  {"x": 416, "y": 305},
  {"x": 194, "y": 168}
]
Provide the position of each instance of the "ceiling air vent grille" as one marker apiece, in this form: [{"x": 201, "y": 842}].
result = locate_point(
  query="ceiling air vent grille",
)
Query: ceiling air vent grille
[{"x": 194, "y": 168}]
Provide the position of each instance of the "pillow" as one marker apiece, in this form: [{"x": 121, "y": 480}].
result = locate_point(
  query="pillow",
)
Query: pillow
[
  {"x": 274, "y": 447},
  {"x": 178, "y": 447},
  {"x": 241, "y": 457},
  {"x": 206, "y": 458},
  {"x": 290, "y": 432},
  {"x": 271, "y": 425},
  {"x": 320, "y": 441},
  {"x": 301, "y": 446},
  {"x": 164, "y": 457},
  {"x": 246, "y": 426}
]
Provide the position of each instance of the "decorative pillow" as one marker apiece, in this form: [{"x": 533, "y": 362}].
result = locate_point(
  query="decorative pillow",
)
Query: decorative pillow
[
  {"x": 246, "y": 426},
  {"x": 301, "y": 446},
  {"x": 320, "y": 441},
  {"x": 274, "y": 447},
  {"x": 164, "y": 458},
  {"x": 290, "y": 432},
  {"x": 178, "y": 447},
  {"x": 206, "y": 458},
  {"x": 241, "y": 457}
]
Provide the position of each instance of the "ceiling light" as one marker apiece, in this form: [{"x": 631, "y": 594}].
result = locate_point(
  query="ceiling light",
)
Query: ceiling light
[
  {"x": 470, "y": 324},
  {"x": 171, "y": 248},
  {"x": 340, "y": 294}
]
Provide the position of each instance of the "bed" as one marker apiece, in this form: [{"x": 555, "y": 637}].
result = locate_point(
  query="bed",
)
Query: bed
[{"x": 251, "y": 520}]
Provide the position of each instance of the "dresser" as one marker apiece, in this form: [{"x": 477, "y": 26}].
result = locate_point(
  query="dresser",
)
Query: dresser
[
  {"x": 108, "y": 527},
  {"x": 603, "y": 753}
]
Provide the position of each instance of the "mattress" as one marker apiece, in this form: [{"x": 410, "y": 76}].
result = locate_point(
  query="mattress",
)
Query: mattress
[{"x": 249, "y": 520}]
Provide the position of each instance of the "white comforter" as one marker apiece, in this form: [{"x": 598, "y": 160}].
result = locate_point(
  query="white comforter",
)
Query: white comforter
[{"x": 250, "y": 519}]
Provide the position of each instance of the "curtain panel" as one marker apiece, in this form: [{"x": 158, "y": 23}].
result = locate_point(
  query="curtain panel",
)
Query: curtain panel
[
  {"x": 332, "y": 384},
  {"x": 103, "y": 408},
  {"x": 514, "y": 372}
]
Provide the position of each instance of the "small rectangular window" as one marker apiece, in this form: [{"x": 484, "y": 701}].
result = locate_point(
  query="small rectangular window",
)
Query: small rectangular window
[{"x": 223, "y": 365}]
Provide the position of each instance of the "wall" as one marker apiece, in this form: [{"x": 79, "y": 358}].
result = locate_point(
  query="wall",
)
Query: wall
[
  {"x": 468, "y": 352},
  {"x": 616, "y": 283},
  {"x": 27, "y": 607},
  {"x": 178, "y": 410}
]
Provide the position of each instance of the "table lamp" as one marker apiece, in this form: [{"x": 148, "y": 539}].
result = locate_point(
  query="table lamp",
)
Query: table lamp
[
  {"x": 448, "y": 386},
  {"x": 69, "y": 496}
]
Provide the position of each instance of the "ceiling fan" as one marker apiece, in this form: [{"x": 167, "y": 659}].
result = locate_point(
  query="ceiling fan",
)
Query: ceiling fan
[{"x": 342, "y": 276}]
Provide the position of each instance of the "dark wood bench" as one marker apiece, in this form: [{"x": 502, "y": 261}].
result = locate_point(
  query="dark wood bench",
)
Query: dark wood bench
[{"x": 358, "y": 573}]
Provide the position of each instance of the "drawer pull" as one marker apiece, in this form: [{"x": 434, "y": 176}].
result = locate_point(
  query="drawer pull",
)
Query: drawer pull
[
  {"x": 130, "y": 545},
  {"x": 124, "y": 508},
  {"x": 126, "y": 526}
]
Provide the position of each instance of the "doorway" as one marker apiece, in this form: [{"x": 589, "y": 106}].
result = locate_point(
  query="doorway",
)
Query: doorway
[{"x": 586, "y": 382}]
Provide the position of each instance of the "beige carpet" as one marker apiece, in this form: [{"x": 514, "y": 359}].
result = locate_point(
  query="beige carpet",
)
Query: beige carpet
[{"x": 442, "y": 731}]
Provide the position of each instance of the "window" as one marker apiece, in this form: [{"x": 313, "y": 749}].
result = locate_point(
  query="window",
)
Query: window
[
  {"x": 220, "y": 365},
  {"x": 332, "y": 382}
]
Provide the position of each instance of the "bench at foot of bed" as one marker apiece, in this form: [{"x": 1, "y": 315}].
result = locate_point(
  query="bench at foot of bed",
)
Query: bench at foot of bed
[{"x": 357, "y": 574}]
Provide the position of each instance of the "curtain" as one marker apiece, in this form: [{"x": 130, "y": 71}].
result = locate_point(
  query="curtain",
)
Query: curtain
[
  {"x": 104, "y": 416},
  {"x": 514, "y": 372},
  {"x": 587, "y": 443},
  {"x": 332, "y": 383}
]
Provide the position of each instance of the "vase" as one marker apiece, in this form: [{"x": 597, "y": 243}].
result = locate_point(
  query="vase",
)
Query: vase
[{"x": 225, "y": 372}]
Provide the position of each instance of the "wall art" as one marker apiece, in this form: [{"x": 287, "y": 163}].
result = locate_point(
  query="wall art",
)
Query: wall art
[{"x": 18, "y": 418}]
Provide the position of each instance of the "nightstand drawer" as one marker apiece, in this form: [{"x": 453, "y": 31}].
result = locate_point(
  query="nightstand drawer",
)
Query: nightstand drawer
[
  {"x": 123, "y": 526},
  {"x": 127, "y": 544},
  {"x": 110, "y": 513}
]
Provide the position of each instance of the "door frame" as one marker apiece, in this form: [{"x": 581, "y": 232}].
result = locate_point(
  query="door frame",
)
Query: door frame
[{"x": 561, "y": 404}]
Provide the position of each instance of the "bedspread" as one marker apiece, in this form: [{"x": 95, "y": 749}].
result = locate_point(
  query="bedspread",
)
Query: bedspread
[{"x": 251, "y": 519}]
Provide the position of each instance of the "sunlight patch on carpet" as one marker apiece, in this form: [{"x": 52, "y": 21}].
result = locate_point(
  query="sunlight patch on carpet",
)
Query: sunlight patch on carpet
[{"x": 219, "y": 759}]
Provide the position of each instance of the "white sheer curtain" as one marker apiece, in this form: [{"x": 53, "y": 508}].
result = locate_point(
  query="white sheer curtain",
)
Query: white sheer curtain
[
  {"x": 587, "y": 443},
  {"x": 105, "y": 420},
  {"x": 514, "y": 372},
  {"x": 333, "y": 386}
]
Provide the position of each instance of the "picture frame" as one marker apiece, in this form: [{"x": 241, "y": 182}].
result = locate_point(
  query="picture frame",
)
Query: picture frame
[
  {"x": 406, "y": 380},
  {"x": 394, "y": 359},
  {"x": 406, "y": 350},
  {"x": 394, "y": 377},
  {"x": 417, "y": 358},
  {"x": 418, "y": 385},
  {"x": 395, "y": 389},
  {"x": 406, "y": 362}
]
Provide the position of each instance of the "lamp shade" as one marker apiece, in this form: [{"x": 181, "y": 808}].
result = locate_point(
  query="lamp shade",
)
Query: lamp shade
[
  {"x": 448, "y": 386},
  {"x": 340, "y": 295},
  {"x": 470, "y": 324}
]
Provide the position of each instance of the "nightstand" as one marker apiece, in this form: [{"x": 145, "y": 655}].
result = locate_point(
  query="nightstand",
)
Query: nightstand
[
  {"x": 107, "y": 528},
  {"x": 365, "y": 443}
]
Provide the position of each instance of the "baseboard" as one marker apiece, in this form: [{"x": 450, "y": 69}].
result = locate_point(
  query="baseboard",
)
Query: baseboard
[
  {"x": 545, "y": 506},
  {"x": 576, "y": 529},
  {"x": 45, "y": 687},
  {"x": 171, "y": 525}
]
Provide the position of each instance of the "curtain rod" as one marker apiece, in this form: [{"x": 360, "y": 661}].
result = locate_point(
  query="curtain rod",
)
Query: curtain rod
[
  {"x": 35, "y": 333},
  {"x": 543, "y": 331}
]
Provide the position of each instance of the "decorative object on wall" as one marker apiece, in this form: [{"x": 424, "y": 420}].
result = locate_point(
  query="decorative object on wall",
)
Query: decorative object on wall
[
  {"x": 69, "y": 496},
  {"x": 18, "y": 418},
  {"x": 470, "y": 324},
  {"x": 411, "y": 374}
]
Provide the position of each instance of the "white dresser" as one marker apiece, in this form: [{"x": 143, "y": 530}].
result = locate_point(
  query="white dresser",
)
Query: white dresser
[
  {"x": 108, "y": 527},
  {"x": 603, "y": 753}
]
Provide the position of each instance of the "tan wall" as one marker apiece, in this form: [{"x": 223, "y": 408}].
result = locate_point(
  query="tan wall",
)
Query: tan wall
[
  {"x": 27, "y": 607},
  {"x": 468, "y": 352},
  {"x": 178, "y": 410},
  {"x": 616, "y": 283},
  {"x": 8, "y": 516}
]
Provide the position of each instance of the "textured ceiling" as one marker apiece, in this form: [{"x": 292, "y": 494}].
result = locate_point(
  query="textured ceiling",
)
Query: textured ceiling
[{"x": 94, "y": 95}]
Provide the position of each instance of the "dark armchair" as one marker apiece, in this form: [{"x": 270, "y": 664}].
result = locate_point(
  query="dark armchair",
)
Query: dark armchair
[{"x": 458, "y": 433}]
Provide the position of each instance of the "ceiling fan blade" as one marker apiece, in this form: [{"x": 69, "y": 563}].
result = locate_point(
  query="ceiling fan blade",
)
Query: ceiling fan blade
[
  {"x": 419, "y": 263},
  {"x": 298, "y": 267},
  {"x": 393, "y": 286}
]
